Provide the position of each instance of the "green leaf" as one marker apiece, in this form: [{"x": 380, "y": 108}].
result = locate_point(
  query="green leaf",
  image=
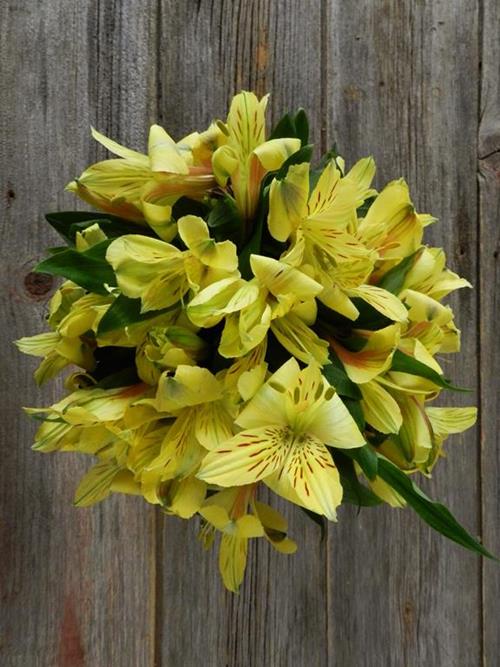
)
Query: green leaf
[
  {"x": 366, "y": 458},
  {"x": 394, "y": 279},
  {"x": 335, "y": 373},
  {"x": 295, "y": 127},
  {"x": 403, "y": 363},
  {"x": 225, "y": 221},
  {"x": 88, "y": 269},
  {"x": 301, "y": 126},
  {"x": 284, "y": 128},
  {"x": 318, "y": 519},
  {"x": 355, "y": 493},
  {"x": 125, "y": 311},
  {"x": 435, "y": 514},
  {"x": 254, "y": 243},
  {"x": 68, "y": 223}
]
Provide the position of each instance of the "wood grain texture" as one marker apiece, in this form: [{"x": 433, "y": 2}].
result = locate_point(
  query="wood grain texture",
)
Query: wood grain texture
[
  {"x": 403, "y": 88},
  {"x": 411, "y": 83},
  {"x": 279, "y": 618},
  {"x": 76, "y": 584},
  {"x": 489, "y": 322}
]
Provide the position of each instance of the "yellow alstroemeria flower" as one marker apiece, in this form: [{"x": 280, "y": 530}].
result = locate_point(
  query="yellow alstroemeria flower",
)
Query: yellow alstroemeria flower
[
  {"x": 406, "y": 382},
  {"x": 247, "y": 156},
  {"x": 323, "y": 213},
  {"x": 272, "y": 300},
  {"x": 430, "y": 276},
  {"x": 430, "y": 322},
  {"x": 321, "y": 225},
  {"x": 374, "y": 356},
  {"x": 379, "y": 408},
  {"x": 391, "y": 226},
  {"x": 182, "y": 497},
  {"x": 445, "y": 422},
  {"x": 160, "y": 274},
  {"x": 166, "y": 348},
  {"x": 226, "y": 511},
  {"x": 68, "y": 344},
  {"x": 203, "y": 419},
  {"x": 287, "y": 426},
  {"x": 87, "y": 407},
  {"x": 143, "y": 188}
]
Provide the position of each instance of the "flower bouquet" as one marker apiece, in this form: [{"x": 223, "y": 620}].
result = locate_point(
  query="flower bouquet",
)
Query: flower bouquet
[{"x": 241, "y": 317}]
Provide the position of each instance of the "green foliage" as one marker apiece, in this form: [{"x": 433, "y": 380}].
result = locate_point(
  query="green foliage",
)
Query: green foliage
[
  {"x": 394, "y": 278},
  {"x": 88, "y": 268},
  {"x": 403, "y": 363},
  {"x": 68, "y": 223},
  {"x": 433, "y": 513},
  {"x": 292, "y": 126},
  {"x": 355, "y": 493},
  {"x": 225, "y": 221},
  {"x": 125, "y": 311}
]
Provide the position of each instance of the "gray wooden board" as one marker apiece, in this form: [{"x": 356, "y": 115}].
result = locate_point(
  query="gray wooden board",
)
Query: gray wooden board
[
  {"x": 77, "y": 585},
  {"x": 489, "y": 322},
  {"x": 403, "y": 88},
  {"x": 122, "y": 585}
]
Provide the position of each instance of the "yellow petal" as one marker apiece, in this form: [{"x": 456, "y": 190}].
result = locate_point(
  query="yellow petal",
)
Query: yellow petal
[
  {"x": 391, "y": 224},
  {"x": 247, "y": 457},
  {"x": 362, "y": 174},
  {"x": 333, "y": 201},
  {"x": 224, "y": 164},
  {"x": 332, "y": 423},
  {"x": 222, "y": 297},
  {"x": 131, "y": 156},
  {"x": 214, "y": 425},
  {"x": 379, "y": 408},
  {"x": 374, "y": 358},
  {"x": 249, "y": 526},
  {"x": 309, "y": 475},
  {"x": 386, "y": 303},
  {"x": 232, "y": 560},
  {"x": 415, "y": 435},
  {"x": 299, "y": 339},
  {"x": 96, "y": 484},
  {"x": 183, "y": 497},
  {"x": 163, "y": 152},
  {"x": 288, "y": 201},
  {"x": 281, "y": 279},
  {"x": 191, "y": 385},
  {"x": 194, "y": 232},
  {"x": 451, "y": 420},
  {"x": 273, "y": 153},
  {"x": 246, "y": 121}
]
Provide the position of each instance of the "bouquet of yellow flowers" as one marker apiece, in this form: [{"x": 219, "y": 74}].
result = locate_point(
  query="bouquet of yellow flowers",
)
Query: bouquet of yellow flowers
[{"x": 241, "y": 317}]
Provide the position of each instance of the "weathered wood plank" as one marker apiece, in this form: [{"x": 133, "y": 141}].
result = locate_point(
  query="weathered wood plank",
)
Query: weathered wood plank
[
  {"x": 404, "y": 88},
  {"x": 488, "y": 288},
  {"x": 279, "y": 618},
  {"x": 76, "y": 584}
]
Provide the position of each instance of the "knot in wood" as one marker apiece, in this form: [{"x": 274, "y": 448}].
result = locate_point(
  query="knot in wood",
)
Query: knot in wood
[{"x": 38, "y": 285}]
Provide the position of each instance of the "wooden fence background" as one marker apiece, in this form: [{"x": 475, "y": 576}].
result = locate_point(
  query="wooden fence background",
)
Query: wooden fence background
[{"x": 413, "y": 83}]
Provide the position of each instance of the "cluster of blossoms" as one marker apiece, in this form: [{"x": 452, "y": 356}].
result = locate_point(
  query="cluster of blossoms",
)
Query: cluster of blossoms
[{"x": 242, "y": 318}]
